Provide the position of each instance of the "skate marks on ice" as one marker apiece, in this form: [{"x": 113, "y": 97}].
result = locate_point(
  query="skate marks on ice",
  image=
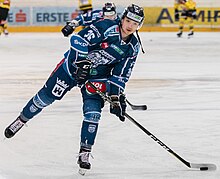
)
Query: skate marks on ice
[
  {"x": 194, "y": 90},
  {"x": 179, "y": 83}
]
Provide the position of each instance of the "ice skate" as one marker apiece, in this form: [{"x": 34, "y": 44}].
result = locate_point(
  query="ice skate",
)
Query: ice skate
[
  {"x": 179, "y": 34},
  {"x": 190, "y": 34},
  {"x": 14, "y": 127},
  {"x": 83, "y": 161},
  {"x": 6, "y": 32}
]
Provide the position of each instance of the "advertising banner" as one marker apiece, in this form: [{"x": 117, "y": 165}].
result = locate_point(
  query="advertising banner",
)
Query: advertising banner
[
  {"x": 58, "y": 16},
  {"x": 165, "y": 16}
]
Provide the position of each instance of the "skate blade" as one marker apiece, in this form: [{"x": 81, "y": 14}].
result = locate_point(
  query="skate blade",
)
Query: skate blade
[{"x": 82, "y": 171}]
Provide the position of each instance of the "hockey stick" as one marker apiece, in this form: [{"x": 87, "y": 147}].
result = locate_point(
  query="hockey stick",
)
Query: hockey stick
[
  {"x": 137, "y": 107},
  {"x": 205, "y": 166},
  {"x": 200, "y": 166}
]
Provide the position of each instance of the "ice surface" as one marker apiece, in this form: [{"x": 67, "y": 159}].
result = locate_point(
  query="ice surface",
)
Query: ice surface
[{"x": 179, "y": 80}]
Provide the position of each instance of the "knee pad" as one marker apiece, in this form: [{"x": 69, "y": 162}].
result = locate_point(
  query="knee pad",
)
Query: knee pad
[
  {"x": 5, "y": 26},
  {"x": 92, "y": 116},
  {"x": 35, "y": 105},
  {"x": 41, "y": 99}
]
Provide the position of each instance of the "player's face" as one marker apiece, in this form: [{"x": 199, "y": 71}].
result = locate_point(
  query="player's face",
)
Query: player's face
[
  {"x": 111, "y": 17},
  {"x": 128, "y": 26}
]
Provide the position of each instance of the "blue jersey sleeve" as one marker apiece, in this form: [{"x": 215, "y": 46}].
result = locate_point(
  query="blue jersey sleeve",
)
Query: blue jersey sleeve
[
  {"x": 89, "y": 37},
  {"x": 98, "y": 32},
  {"x": 122, "y": 70},
  {"x": 120, "y": 75}
]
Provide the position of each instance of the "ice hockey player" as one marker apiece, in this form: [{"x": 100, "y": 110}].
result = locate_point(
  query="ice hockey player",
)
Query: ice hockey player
[
  {"x": 4, "y": 9},
  {"x": 104, "y": 53},
  {"x": 85, "y": 6},
  {"x": 185, "y": 13},
  {"x": 108, "y": 12}
]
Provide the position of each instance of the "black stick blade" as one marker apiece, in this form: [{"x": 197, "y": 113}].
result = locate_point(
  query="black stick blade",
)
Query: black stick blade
[
  {"x": 137, "y": 107},
  {"x": 204, "y": 167}
]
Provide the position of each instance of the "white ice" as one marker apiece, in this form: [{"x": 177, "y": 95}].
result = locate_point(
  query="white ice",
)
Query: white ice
[{"x": 178, "y": 79}]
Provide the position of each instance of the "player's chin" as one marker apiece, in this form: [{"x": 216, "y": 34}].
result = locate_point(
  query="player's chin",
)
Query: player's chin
[{"x": 129, "y": 32}]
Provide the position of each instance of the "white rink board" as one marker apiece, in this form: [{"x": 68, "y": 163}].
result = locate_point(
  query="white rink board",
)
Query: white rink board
[{"x": 179, "y": 80}]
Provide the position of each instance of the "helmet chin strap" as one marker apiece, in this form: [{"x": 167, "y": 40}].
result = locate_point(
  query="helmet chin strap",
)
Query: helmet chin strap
[
  {"x": 140, "y": 25},
  {"x": 139, "y": 39}
]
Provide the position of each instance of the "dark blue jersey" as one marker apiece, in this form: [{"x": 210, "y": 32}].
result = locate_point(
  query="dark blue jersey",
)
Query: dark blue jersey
[
  {"x": 112, "y": 58},
  {"x": 89, "y": 18}
]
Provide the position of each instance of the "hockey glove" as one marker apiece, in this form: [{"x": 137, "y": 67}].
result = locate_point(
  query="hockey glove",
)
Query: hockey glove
[
  {"x": 69, "y": 28},
  {"x": 82, "y": 71},
  {"x": 119, "y": 106},
  {"x": 176, "y": 15},
  {"x": 194, "y": 14}
]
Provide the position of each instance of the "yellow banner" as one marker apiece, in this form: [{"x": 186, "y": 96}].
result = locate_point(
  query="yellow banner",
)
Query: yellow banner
[{"x": 165, "y": 16}]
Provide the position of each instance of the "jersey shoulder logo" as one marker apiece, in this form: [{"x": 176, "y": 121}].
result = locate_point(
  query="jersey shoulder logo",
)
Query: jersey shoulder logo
[{"x": 112, "y": 31}]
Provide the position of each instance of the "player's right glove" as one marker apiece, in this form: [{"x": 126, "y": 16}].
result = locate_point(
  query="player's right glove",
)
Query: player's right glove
[
  {"x": 194, "y": 15},
  {"x": 176, "y": 15},
  {"x": 119, "y": 106},
  {"x": 82, "y": 71},
  {"x": 69, "y": 28}
]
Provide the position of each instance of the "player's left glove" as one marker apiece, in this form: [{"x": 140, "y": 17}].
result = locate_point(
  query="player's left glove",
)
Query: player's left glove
[
  {"x": 82, "y": 71},
  {"x": 119, "y": 106},
  {"x": 194, "y": 14},
  {"x": 69, "y": 27},
  {"x": 176, "y": 15}
]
